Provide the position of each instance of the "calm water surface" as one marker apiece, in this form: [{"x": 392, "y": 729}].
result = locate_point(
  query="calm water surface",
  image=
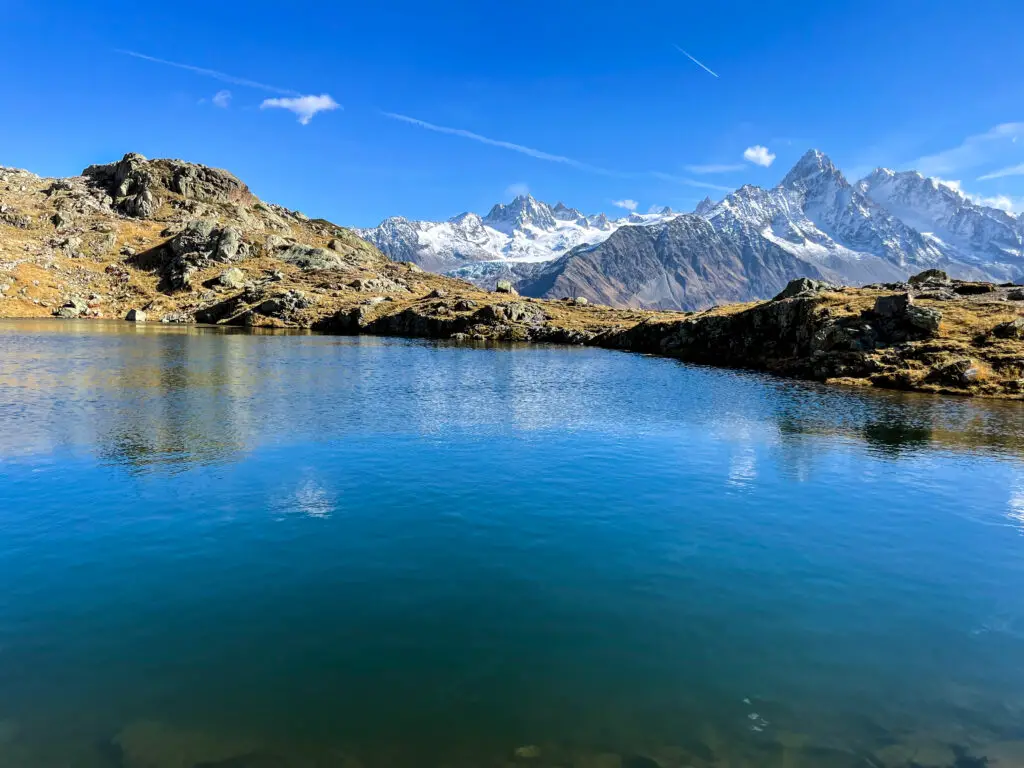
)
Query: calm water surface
[{"x": 334, "y": 551}]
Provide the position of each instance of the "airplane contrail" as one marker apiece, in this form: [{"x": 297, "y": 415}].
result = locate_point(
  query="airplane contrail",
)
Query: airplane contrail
[{"x": 699, "y": 64}]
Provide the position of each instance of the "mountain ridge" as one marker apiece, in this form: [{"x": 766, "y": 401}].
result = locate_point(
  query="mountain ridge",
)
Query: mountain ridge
[{"x": 813, "y": 223}]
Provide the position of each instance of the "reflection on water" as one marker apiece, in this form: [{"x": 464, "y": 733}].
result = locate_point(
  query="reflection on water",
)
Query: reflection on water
[{"x": 237, "y": 549}]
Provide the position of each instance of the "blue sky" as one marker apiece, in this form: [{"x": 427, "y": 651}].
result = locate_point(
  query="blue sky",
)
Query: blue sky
[{"x": 589, "y": 103}]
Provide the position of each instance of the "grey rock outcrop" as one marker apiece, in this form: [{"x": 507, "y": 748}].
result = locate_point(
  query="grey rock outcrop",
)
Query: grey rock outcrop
[
  {"x": 804, "y": 286},
  {"x": 196, "y": 247}
]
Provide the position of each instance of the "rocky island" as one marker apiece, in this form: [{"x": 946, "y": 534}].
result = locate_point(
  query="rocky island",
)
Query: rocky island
[{"x": 169, "y": 241}]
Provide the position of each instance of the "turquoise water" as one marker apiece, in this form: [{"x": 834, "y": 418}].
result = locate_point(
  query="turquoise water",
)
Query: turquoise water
[{"x": 332, "y": 551}]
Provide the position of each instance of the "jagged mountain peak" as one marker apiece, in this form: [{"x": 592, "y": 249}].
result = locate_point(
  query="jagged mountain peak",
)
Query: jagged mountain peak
[
  {"x": 704, "y": 207},
  {"x": 523, "y": 210},
  {"x": 810, "y": 170},
  {"x": 562, "y": 212}
]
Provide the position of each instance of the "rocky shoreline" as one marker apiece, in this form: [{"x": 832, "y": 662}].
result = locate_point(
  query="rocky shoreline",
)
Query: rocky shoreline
[{"x": 167, "y": 241}]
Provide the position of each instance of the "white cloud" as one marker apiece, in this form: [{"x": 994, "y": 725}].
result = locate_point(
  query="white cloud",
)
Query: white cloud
[
  {"x": 1013, "y": 170},
  {"x": 954, "y": 185},
  {"x": 972, "y": 151},
  {"x": 759, "y": 155},
  {"x": 1002, "y": 202},
  {"x": 303, "y": 106},
  {"x": 519, "y": 189},
  {"x": 716, "y": 168},
  {"x": 629, "y": 205},
  {"x": 222, "y": 99}
]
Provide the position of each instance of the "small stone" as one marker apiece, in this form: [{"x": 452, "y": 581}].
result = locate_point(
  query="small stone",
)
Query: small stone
[
  {"x": 465, "y": 305},
  {"x": 135, "y": 316},
  {"x": 438, "y": 293}
]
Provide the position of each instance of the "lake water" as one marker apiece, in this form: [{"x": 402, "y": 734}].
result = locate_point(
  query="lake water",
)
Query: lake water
[{"x": 237, "y": 549}]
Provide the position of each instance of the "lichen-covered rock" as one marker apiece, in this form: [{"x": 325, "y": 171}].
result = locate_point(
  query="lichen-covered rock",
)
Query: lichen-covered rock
[
  {"x": 379, "y": 285},
  {"x": 231, "y": 278},
  {"x": 958, "y": 373},
  {"x": 1011, "y": 329},
  {"x": 930, "y": 277},
  {"x": 312, "y": 259},
  {"x": 504, "y": 286},
  {"x": 201, "y": 242}
]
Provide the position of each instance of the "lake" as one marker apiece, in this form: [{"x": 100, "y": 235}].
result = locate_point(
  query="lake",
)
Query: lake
[{"x": 255, "y": 549}]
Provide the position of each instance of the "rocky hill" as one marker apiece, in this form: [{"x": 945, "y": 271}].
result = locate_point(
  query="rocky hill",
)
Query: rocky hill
[{"x": 169, "y": 241}]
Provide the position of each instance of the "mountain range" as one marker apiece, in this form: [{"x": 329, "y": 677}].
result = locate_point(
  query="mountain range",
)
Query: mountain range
[{"x": 747, "y": 246}]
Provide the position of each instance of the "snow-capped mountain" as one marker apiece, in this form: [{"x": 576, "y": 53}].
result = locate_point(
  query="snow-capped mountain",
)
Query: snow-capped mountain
[
  {"x": 523, "y": 231},
  {"x": 818, "y": 216},
  {"x": 989, "y": 238},
  {"x": 815, "y": 223}
]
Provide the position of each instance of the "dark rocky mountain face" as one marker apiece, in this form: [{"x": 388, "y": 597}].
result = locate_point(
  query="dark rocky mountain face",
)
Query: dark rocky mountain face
[{"x": 684, "y": 263}]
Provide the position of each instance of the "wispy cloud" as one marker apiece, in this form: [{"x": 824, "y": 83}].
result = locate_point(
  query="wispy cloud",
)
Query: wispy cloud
[
  {"x": 629, "y": 205},
  {"x": 222, "y": 99},
  {"x": 1002, "y": 202},
  {"x": 971, "y": 152},
  {"x": 1013, "y": 170},
  {"x": 759, "y": 155},
  {"x": 689, "y": 182},
  {"x": 519, "y": 189},
  {"x": 222, "y": 76},
  {"x": 699, "y": 64},
  {"x": 553, "y": 158},
  {"x": 716, "y": 168},
  {"x": 303, "y": 106},
  {"x": 539, "y": 154}
]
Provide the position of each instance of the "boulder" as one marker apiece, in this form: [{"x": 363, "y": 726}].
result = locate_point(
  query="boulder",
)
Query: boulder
[
  {"x": 504, "y": 286},
  {"x": 930, "y": 277},
  {"x": 275, "y": 243},
  {"x": 1011, "y": 329},
  {"x": 804, "y": 286},
  {"x": 437, "y": 293},
  {"x": 893, "y": 306},
  {"x": 201, "y": 242},
  {"x": 311, "y": 259},
  {"x": 1016, "y": 295},
  {"x": 135, "y": 316},
  {"x": 958, "y": 373},
  {"x": 231, "y": 278},
  {"x": 581, "y": 301},
  {"x": 283, "y": 305},
  {"x": 378, "y": 285},
  {"x": 924, "y": 319},
  {"x": 75, "y": 306}
]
